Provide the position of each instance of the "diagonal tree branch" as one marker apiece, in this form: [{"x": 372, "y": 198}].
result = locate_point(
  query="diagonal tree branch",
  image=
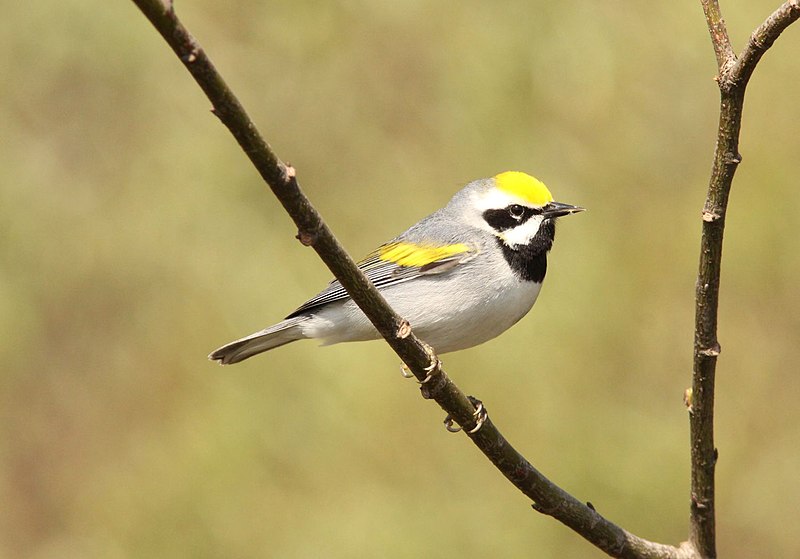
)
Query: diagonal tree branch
[
  {"x": 548, "y": 498},
  {"x": 733, "y": 77}
]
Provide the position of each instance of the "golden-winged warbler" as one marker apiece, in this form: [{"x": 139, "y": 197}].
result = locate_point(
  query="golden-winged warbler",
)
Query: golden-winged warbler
[{"x": 461, "y": 276}]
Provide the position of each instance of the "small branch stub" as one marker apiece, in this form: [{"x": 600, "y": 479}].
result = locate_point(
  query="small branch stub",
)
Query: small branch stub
[
  {"x": 403, "y": 329},
  {"x": 307, "y": 238},
  {"x": 191, "y": 57},
  {"x": 733, "y": 159},
  {"x": 712, "y": 351},
  {"x": 289, "y": 172}
]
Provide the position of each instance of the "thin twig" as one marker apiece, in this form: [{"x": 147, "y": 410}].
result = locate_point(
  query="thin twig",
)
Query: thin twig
[
  {"x": 760, "y": 41},
  {"x": 719, "y": 33},
  {"x": 548, "y": 498},
  {"x": 733, "y": 77}
]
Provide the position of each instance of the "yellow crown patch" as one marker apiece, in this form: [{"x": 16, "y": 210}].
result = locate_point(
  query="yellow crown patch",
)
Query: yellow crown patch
[
  {"x": 524, "y": 186},
  {"x": 412, "y": 255}
]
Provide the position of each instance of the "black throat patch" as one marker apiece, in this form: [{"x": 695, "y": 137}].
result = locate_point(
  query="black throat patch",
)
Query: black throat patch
[{"x": 529, "y": 262}]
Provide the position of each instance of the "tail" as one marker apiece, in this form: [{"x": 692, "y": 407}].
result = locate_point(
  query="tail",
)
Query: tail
[{"x": 269, "y": 338}]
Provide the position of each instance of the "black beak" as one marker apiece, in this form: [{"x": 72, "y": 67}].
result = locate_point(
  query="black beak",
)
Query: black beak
[{"x": 557, "y": 209}]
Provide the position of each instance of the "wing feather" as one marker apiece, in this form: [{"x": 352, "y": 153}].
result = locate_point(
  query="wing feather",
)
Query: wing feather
[{"x": 394, "y": 263}]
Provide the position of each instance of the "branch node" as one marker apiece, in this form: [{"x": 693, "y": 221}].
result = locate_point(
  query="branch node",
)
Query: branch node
[
  {"x": 307, "y": 238},
  {"x": 710, "y": 217},
  {"x": 733, "y": 158},
  {"x": 191, "y": 57},
  {"x": 698, "y": 503},
  {"x": 687, "y": 399},
  {"x": 289, "y": 173},
  {"x": 403, "y": 329},
  {"x": 591, "y": 506},
  {"x": 712, "y": 351},
  {"x": 217, "y": 114}
]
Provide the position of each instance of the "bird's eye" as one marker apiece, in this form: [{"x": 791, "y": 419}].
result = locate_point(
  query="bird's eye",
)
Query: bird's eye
[{"x": 516, "y": 211}]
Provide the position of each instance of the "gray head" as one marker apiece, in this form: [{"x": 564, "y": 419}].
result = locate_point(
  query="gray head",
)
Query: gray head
[{"x": 512, "y": 206}]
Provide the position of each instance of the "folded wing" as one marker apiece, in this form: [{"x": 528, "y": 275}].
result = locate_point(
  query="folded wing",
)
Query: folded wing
[{"x": 396, "y": 262}]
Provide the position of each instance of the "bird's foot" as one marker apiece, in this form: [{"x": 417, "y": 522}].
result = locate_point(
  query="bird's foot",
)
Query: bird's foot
[
  {"x": 480, "y": 415},
  {"x": 430, "y": 371}
]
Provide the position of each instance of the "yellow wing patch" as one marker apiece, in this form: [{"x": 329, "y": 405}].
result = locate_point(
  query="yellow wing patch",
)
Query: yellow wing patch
[
  {"x": 524, "y": 186},
  {"x": 413, "y": 255}
]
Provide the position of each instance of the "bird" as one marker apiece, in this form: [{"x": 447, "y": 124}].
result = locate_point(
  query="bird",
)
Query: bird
[{"x": 460, "y": 276}]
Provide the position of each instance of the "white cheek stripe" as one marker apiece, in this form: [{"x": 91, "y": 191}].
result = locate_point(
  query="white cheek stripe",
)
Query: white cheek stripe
[
  {"x": 521, "y": 234},
  {"x": 496, "y": 199}
]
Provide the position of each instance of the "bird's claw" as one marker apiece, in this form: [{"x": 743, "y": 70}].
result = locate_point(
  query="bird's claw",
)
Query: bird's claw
[
  {"x": 405, "y": 371},
  {"x": 430, "y": 370},
  {"x": 449, "y": 424},
  {"x": 480, "y": 415}
]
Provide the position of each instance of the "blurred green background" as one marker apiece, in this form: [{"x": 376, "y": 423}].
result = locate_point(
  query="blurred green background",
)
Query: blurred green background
[{"x": 135, "y": 238}]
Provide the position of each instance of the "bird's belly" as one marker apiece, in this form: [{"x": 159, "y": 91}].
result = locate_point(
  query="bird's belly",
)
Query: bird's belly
[
  {"x": 467, "y": 320},
  {"x": 447, "y": 319}
]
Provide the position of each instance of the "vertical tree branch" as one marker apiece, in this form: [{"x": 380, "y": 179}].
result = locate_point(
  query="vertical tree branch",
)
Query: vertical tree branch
[{"x": 733, "y": 77}]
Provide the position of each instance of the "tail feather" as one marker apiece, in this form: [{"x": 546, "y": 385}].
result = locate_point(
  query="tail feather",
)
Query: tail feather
[{"x": 269, "y": 338}]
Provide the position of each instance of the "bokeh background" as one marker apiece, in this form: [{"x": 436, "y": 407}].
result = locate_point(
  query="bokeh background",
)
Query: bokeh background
[{"x": 135, "y": 237}]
